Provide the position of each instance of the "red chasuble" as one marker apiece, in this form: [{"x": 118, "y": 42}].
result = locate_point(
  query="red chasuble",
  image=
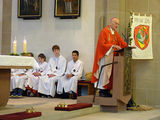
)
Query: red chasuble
[{"x": 105, "y": 42}]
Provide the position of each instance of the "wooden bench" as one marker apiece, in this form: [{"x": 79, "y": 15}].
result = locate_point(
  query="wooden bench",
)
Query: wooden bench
[{"x": 88, "y": 84}]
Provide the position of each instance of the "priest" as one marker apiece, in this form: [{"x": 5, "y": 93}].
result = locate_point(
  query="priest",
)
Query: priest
[{"x": 109, "y": 41}]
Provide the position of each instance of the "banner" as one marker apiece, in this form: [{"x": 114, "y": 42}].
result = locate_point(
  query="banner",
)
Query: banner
[{"x": 141, "y": 35}]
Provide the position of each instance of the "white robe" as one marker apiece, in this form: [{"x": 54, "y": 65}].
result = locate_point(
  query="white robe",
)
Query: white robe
[
  {"x": 106, "y": 71},
  {"x": 19, "y": 81},
  {"x": 33, "y": 81},
  {"x": 47, "y": 85},
  {"x": 14, "y": 72},
  {"x": 69, "y": 85}
]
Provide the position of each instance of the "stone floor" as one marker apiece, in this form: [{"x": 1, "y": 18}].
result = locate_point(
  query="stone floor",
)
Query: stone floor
[
  {"x": 46, "y": 106},
  {"x": 127, "y": 115}
]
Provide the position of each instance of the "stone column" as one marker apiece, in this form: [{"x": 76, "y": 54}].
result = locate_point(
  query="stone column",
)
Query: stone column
[
  {"x": 6, "y": 27},
  {"x": 1, "y": 7}
]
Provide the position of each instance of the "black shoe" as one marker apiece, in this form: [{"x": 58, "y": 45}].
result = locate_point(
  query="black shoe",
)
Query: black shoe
[
  {"x": 65, "y": 95},
  {"x": 20, "y": 91},
  {"x": 14, "y": 92},
  {"x": 28, "y": 93},
  {"x": 108, "y": 94},
  {"x": 49, "y": 96},
  {"x": 102, "y": 93},
  {"x": 58, "y": 96},
  {"x": 43, "y": 95},
  {"x": 32, "y": 94},
  {"x": 74, "y": 95}
]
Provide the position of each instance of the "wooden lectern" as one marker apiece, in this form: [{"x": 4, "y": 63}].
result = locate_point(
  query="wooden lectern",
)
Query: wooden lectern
[
  {"x": 121, "y": 93},
  {"x": 7, "y": 63}
]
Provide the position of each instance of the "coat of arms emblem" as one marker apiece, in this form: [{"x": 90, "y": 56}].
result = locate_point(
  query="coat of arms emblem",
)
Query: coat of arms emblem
[{"x": 141, "y": 36}]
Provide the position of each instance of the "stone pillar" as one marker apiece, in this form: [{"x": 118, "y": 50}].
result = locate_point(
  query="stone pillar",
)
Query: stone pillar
[
  {"x": 1, "y": 8},
  {"x": 99, "y": 18},
  {"x": 6, "y": 27}
]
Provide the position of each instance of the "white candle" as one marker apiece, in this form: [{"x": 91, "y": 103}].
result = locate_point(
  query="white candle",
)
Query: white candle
[
  {"x": 25, "y": 46},
  {"x": 15, "y": 46}
]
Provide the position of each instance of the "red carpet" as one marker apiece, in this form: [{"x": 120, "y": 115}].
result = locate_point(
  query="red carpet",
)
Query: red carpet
[
  {"x": 74, "y": 107},
  {"x": 20, "y": 116}
]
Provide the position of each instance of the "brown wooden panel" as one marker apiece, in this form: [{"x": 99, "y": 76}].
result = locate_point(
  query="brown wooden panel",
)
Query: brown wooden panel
[
  {"x": 110, "y": 101},
  {"x": 4, "y": 86},
  {"x": 90, "y": 87},
  {"x": 98, "y": 100},
  {"x": 118, "y": 80},
  {"x": 85, "y": 99},
  {"x": 118, "y": 77}
]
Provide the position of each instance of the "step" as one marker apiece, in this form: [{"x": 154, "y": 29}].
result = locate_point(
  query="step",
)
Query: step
[{"x": 98, "y": 100}]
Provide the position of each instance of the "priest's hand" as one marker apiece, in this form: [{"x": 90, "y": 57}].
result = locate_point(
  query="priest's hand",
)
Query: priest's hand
[
  {"x": 69, "y": 76},
  {"x": 117, "y": 47},
  {"x": 51, "y": 75}
]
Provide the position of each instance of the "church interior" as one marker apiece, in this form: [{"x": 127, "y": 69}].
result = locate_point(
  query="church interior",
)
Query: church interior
[{"x": 74, "y": 26}]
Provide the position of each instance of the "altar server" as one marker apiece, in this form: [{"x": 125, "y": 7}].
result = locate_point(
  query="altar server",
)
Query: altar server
[
  {"x": 33, "y": 80},
  {"x": 55, "y": 69},
  {"x": 20, "y": 79},
  {"x": 68, "y": 83},
  {"x": 14, "y": 72},
  {"x": 18, "y": 82}
]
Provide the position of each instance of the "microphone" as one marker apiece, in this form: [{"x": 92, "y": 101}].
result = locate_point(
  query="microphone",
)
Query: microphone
[{"x": 125, "y": 38}]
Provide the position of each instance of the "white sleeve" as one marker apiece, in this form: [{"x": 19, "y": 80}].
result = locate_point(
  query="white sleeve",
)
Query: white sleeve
[{"x": 109, "y": 51}]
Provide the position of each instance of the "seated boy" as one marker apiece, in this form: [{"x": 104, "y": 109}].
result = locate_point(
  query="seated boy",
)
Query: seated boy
[
  {"x": 68, "y": 83},
  {"x": 55, "y": 69}
]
